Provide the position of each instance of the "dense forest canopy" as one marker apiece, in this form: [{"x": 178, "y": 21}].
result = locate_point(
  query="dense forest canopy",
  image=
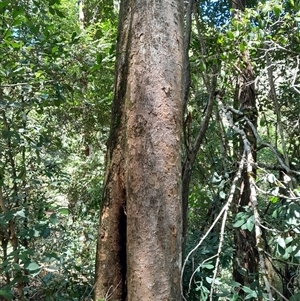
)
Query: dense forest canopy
[{"x": 240, "y": 146}]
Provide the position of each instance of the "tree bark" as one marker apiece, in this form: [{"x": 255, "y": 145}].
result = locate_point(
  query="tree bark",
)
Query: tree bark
[
  {"x": 245, "y": 269},
  {"x": 139, "y": 243}
]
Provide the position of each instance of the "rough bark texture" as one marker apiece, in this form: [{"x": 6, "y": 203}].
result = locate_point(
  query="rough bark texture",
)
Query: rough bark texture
[{"x": 139, "y": 243}]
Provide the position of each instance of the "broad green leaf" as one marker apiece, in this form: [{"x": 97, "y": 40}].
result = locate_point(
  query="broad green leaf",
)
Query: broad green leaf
[
  {"x": 277, "y": 10},
  {"x": 247, "y": 289},
  {"x": 53, "y": 218},
  {"x": 242, "y": 47},
  {"x": 207, "y": 266},
  {"x": 251, "y": 293},
  {"x": 4, "y": 3},
  {"x": 52, "y": 2},
  {"x": 239, "y": 223},
  {"x": 33, "y": 266},
  {"x": 60, "y": 13},
  {"x": 280, "y": 250},
  {"x": 46, "y": 232},
  {"x": 64, "y": 211},
  {"x": 230, "y": 35},
  {"x": 274, "y": 199},
  {"x": 250, "y": 223},
  {"x": 99, "y": 58},
  {"x": 51, "y": 10},
  {"x": 222, "y": 195},
  {"x": 16, "y": 266}
]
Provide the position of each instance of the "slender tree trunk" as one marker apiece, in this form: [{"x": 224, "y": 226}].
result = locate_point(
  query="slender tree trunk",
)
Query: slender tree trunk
[
  {"x": 139, "y": 243},
  {"x": 192, "y": 148},
  {"x": 245, "y": 269}
]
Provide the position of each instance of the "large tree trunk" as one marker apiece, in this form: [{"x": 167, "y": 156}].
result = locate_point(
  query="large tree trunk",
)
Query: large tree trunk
[{"x": 139, "y": 243}]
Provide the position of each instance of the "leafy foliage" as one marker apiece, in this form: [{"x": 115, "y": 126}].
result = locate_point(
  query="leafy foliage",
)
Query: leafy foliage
[
  {"x": 262, "y": 31},
  {"x": 56, "y": 86}
]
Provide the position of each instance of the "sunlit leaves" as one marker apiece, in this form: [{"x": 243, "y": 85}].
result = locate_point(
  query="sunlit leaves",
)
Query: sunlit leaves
[
  {"x": 47, "y": 88},
  {"x": 244, "y": 221},
  {"x": 249, "y": 293}
]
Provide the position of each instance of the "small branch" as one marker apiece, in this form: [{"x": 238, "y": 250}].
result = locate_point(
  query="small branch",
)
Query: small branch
[
  {"x": 277, "y": 108},
  {"x": 282, "y": 261},
  {"x": 257, "y": 137},
  {"x": 22, "y": 84},
  {"x": 224, "y": 209},
  {"x": 278, "y": 195},
  {"x": 195, "y": 271},
  {"x": 220, "y": 246},
  {"x": 277, "y": 292}
]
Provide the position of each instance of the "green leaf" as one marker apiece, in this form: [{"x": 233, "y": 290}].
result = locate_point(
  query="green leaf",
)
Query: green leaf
[
  {"x": 242, "y": 47},
  {"x": 16, "y": 266},
  {"x": 99, "y": 58},
  {"x": 51, "y": 10},
  {"x": 74, "y": 35},
  {"x": 49, "y": 256},
  {"x": 59, "y": 13},
  {"x": 54, "y": 49},
  {"x": 202, "y": 66},
  {"x": 295, "y": 297},
  {"x": 220, "y": 40},
  {"x": 6, "y": 294},
  {"x": 274, "y": 199},
  {"x": 239, "y": 223},
  {"x": 52, "y": 2},
  {"x": 230, "y": 35},
  {"x": 46, "y": 232},
  {"x": 250, "y": 293},
  {"x": 247, "y": 289},
  {"x": 4, "y": 3},
  {"x": 33, "y": 266},
  {"x": 277, "y": 10},
  {"x": 250, "y": 223},
  {"x": 53, "y": 218},
  {"x": 95, "y": 68},
  {"x": 17, "y": 11},
  {"x": 207, "y": 266},
  {"x": 262, "y": 121},
  {"x": 64, "y": 211},
  {"x": 222, "y": 195}
]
